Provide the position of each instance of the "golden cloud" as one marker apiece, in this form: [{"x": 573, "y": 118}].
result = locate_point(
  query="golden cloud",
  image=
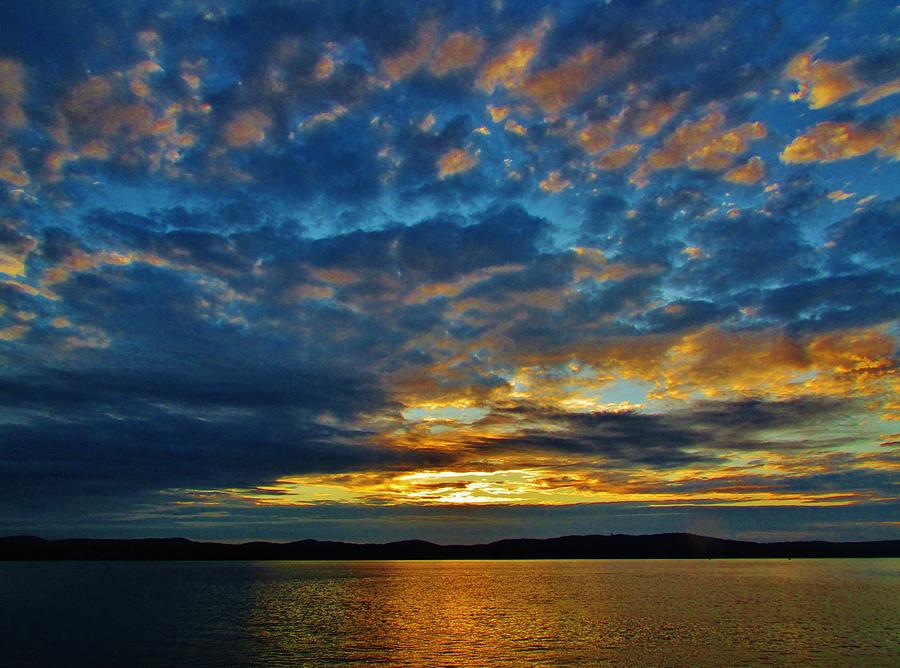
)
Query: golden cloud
[
  {"x": 12, "y": 93},
  {"x": 773, "y": 364},
  {"x": 508, "y": 69},
  {"x": 555, "y": 183},
  {"x": 839, "y": 195},
  {"x": 247, "y": 127},
  {"x": 498, "y": 113},
  {"x": 702, "y": 144},
  {"x": 422, "y": 293},
  {"x": 555, "y": 88},
  {"x": 750, "y": 172},
  {"x": 11, "y": 169},
  {"x": 515, "y": 127},
  {"x": 93, "y": 122},
  {"x": 455, "y": 161},
  {"x": 14, "y": 248},
  {"x": 617, "y": 158},
  {"x": 324, "y": 67},
  {"x": 652, "y": 116},
  {"x": 14, "y": 332},
  {"x": 599, "y": 136},
  {"x": 829, "y": 141},
  {"x": 77, "y": 261},
  {"x": 821, "y": 82},
  {"x": 459, "y": 50},
  {"x": 406, "y": 62},
  {"x": 878, "y": 92}
]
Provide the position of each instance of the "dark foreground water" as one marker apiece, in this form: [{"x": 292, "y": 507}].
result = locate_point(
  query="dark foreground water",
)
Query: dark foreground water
[{"x": 452, "y": 613}]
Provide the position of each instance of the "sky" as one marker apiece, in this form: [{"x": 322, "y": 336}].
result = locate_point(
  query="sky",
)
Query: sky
[{"x": 453, "y": 270}]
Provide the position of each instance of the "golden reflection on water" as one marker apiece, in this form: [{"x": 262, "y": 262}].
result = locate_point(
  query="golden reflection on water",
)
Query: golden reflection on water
[{"x": 622, "y": 613}]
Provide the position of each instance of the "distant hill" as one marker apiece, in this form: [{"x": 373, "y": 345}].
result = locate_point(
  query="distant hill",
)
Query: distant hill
[{"x": 658, "y": 546}]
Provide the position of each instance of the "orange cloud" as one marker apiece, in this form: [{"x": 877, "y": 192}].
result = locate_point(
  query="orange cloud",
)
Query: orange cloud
[
  {"x": 555, "y": 183},
  {"x": 88, "y": 98},
  {"x": 717, "y": 363},
  {"x": 772, "y": 364},
  {"x": 839, "y": 195},
  {"x": 14, "y": 248},
  {"x": 750, "y": 172},
  {"x": 821, "y": 82},
  {"x": 617, "y": 158},
  {"x": 555, "y": 88},
  {"x": 856, "y": 355},
  {"x": 324, "y": 67},
  {"x": 459, "y": 50},
  {"x": 879, "y": 92},
  {"x": 406, "y": 62},
  {"x": 11, "y": 169},
  {"x": 652, "y": 116},
  {"x": 599, "y": 136},
  {"x": 498, "y": 113},
  {"x": 508, "y": 69},
  {"x": 427, "y": 291},
  {"x": 138, "y": 75},
  {"x": 92, "y": 122},
  {"x": 515, "y": 128},
  {"x": 247, "y": 127},
  {"x": 454, "y": 161},
  {"x": 14, "y": 332},
  {"x": 828, "y": 141},
  {"x": 12, "y": 93},
  {"x": 701, "y": 144},
  {"x": 78, "y": 260},
  {"x": 149, "y": 41},
  {"x": 309, "y": 292}
]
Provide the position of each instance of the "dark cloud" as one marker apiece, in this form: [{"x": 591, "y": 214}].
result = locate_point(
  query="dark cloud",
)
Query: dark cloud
[
  {"x": 870, "y": 236},
  {"x": 833, "y": 302},
  {"x": 696, "y": 435},
  {"x": 750, "y": 249}
]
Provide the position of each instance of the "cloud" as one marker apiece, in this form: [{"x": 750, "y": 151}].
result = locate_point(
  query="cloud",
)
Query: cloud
[
  {"x": 750, "y": 172},
  {"x": 653, "y": 115},
  {"x": 14, "y": 248},
  {"x": 829, "y": 141},
  {"x": 277, "y": 251},
  {"x": 508, "y": 69},
  {"x": 770, "y": 249},
  {"x": 12, "y": 93},
  {"x": 822, "y": 83},
  {"x": 600, "y": 135},
  {"x": 247, "y": 127},
  {"x": 702, "y": 144},
  {"x": 454, "y": 161},
  {"x": 555, "y": 88},
  {"x": 879, "y": 92},
  {"x": 617, "y": 157},
  {"x": 555, "y": 183},
  {"x": 848, "y": 363},
  {"x": 459, "y": 50},
  {"x": 406, "y": 62}
]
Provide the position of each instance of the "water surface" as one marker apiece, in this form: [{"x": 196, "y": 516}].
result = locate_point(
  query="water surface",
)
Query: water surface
[{"x": 453, "y": 613}]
